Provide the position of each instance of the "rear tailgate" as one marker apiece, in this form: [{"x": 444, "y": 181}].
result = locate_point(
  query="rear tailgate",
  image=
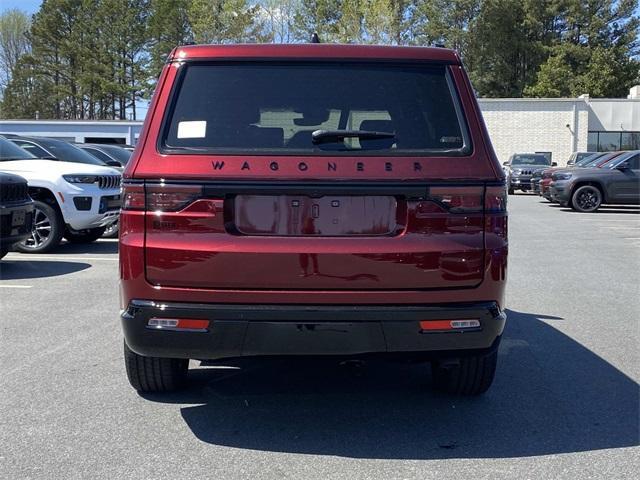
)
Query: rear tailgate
[{"x": 317, "y": 236}]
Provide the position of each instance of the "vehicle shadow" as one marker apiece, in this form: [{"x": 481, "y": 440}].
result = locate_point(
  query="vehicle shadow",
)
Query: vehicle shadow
[
  {"x": 97, "y": 247},
  {"x": 22, "y": 269},
  {"x": 551, "y": 395},
  {"x": 617, "y": 209}
]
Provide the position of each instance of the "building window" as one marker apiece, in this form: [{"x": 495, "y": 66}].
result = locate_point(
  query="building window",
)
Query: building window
[
  {"x": 630, "y": 141},
  {"x": 611, "y": 141}
]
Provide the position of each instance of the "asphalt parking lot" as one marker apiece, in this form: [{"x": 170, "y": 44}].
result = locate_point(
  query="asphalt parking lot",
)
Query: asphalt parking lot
[{"x": 565, "y": 403}]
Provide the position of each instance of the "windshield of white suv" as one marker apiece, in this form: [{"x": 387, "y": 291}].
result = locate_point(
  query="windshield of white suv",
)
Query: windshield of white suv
[
  {"x": 64, "y": 151},
  {"x": 315, "y": 108},
  {"x": 10, "y": 151}
]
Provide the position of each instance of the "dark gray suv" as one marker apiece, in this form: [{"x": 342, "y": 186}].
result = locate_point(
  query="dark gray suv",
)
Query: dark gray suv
[
  {"x": 585, "y": 189},
  {"x": 521, "y": 167}
]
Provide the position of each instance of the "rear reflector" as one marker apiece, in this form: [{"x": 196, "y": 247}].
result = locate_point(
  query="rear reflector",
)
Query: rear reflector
[
  {"x": 178, "y": 324},
  {"x": 431, "y": 325}
]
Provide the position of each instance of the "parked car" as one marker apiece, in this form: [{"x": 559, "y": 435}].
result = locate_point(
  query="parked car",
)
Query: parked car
[
  {"x": 592, "y": 160},
  {"x": 585, "y": 190},
  {"x": 16, "y": 211},
  {"x": 575, "y": 157},
  {"x": 520, "y": 169},
  {"x": 76, "y": 201},
  {"x": 107, "y": 153},
  {"x": 284, "y": 223},
  {"x": 53, "y": 149}
]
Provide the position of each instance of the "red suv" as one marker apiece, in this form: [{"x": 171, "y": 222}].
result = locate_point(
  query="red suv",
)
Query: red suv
[{"x": 313, "y": 200}]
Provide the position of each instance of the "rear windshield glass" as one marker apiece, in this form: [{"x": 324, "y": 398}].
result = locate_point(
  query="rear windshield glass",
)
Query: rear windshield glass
[
  {"x": 529, "y": 160},
  {"x": 276, "y": 108}
]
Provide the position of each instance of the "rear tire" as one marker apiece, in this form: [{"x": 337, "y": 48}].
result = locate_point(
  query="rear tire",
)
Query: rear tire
[
  {"x": 154, "y": 374},
  {"x": 471, "y": 375},
  {"x": 586, "y": 199},
  {"x": 3, "y": 252},
  {"x": 47, "y": 230},
  {"x": 84, "y": 236},
  {"x": 511, "y": 191}
]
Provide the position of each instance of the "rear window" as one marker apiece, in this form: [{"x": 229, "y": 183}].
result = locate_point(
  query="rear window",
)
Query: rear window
[{"x": 273, "y": 108}]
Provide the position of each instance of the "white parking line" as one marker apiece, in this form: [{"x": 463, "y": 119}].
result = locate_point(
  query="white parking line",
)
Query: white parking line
[{"x": 15, "y": 286}]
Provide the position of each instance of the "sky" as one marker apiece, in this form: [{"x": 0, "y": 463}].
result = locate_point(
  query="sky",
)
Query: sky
[{"x": 30, "y": 6}]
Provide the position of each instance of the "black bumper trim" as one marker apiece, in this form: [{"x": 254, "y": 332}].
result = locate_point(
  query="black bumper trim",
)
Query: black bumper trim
[{"x": 273, "y": 330}]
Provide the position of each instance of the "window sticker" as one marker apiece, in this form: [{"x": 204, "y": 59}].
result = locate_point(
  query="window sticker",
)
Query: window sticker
[{"x": 192, "y": 129}]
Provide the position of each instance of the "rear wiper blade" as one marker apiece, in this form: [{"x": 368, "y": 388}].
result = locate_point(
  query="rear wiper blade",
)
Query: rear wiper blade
[{"x": 333, "y": 136}]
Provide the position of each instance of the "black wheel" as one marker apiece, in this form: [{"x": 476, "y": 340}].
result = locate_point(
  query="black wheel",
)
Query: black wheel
[
  {"x": 46, "y": 232},
  {"x": 111, "y": 231},
  {"x": 153, "y": 374},
  {"x": 511, "y": 191},
  {"x": 3, "y": 252},
  {"x": 586, "y": 198},
  {"x": 84, "y": 236},
  {"x": 471, "y": 375}
]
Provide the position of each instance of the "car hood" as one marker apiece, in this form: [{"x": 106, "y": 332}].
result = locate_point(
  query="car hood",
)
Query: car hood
[
  {"x": 532, "y": 168},
  {"x": 590, "y": 172},
  {"x": 55, "y": 166}
]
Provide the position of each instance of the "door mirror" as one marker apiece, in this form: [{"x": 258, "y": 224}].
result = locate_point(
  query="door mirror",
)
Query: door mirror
[
  {"x": 554, "y": 164},
  {"x": 623, "y": 166}
]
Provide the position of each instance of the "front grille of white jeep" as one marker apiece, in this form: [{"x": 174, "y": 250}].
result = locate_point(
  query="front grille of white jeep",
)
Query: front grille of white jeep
[{"x": 108, "y": 181}]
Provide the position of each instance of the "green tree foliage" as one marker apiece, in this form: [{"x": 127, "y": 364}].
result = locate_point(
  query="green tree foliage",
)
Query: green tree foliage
[
  {"x": 99, "y": 58},
  {"x": 168, "y": 28},
  {"x": 225, "y": 21},
  {"x": 596, "y": 51},
  {"x": 14, "y": 25}
]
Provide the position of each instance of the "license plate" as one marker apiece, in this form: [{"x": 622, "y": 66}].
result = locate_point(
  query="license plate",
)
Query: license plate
[
  {"x": 296, "y": 215},
  {"x": 18, "y": 218}
]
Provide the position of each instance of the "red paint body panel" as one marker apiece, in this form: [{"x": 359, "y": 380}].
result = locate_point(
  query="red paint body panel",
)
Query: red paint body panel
[{"x": 406, "y": 252}]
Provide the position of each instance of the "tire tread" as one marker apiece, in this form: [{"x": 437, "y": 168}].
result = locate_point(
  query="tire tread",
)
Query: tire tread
[{"x": 154, "y": 374}]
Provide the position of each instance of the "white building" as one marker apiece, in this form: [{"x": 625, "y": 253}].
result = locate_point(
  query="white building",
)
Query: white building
[
  {"x": 516, "y": 125},
  {"x": 561, "y": 126}
]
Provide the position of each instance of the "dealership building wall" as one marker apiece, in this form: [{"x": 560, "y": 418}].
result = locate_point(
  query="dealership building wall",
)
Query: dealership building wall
[
  {"x": 561, "y": 126},
  {"x": 516, "y": 125}
]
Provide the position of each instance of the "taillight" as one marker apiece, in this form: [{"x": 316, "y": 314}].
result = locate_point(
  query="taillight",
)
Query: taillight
[
  {"x": 465, "y": 200},
  {"x": 495, "y": 199},
  {"x": 457, "y": 199},
  {"x": 159, "y": 198},
  {"x": 171, "y": 198},
  {"x": 133, "y": 197}
]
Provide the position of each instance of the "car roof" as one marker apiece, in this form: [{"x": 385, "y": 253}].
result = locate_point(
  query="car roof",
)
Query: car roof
[{"x": 314, "y": 51}]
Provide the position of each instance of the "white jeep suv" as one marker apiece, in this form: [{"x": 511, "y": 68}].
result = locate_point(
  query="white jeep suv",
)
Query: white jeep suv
[{"x": 76, "y": 201}]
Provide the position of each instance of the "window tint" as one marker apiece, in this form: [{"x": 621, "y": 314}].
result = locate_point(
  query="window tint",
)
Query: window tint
[
  {"x": 66, "y": 152},
  {"x": 11, "y": 151},
  {"x": 98, "y": 154},
  {"x": 275, "y": 108},
  {"x": 118, "y": 153},
  {"x": 634, "y": 162},
  {"x": 31, "y": 148}
]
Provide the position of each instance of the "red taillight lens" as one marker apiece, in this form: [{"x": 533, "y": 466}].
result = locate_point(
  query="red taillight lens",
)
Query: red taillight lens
[
  {"x": 495, "y": 200},
  {"x": 457, "y": 199},
  {"x": 133, "y": 197},
  {"x": 165, "y": 198},
  {"x": 159, "y": 198}
]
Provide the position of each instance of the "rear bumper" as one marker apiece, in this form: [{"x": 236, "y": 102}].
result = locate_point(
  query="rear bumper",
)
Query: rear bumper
[{"x": 257, "y": 330}]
